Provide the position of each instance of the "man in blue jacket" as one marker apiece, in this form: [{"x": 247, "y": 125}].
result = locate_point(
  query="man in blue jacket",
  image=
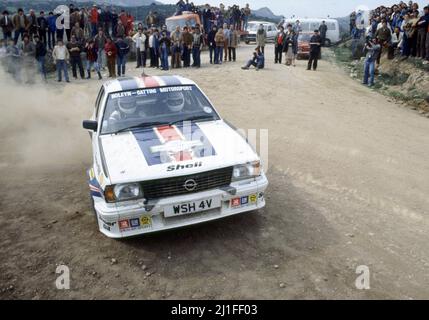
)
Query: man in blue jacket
[
  {"x": 123, "y": 49},
  {"x": 52, "y": 29}
]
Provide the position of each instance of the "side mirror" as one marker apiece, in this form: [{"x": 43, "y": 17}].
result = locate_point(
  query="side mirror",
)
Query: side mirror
[{"x": 90, "y": 125}]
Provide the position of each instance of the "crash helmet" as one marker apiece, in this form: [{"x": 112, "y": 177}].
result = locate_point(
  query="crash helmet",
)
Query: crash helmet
[
  {"x": 175, "y": 101},
  {"x": 127, "y": 105}
]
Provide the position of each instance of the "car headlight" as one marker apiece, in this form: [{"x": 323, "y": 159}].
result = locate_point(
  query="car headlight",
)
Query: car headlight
[
  {"x": 246, "y": 171},
  {"x": 123, "y": 192}
]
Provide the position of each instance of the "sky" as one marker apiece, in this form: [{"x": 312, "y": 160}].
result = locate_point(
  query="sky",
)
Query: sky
[{"x": 306, "y": 8}]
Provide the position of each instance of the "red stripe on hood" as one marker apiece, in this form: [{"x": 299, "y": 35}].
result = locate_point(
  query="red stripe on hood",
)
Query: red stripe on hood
[{"x": 150, "y": 82}]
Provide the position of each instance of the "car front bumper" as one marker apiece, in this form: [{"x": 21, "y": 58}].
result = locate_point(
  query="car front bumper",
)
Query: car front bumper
[{"x": 136, "y": 218}]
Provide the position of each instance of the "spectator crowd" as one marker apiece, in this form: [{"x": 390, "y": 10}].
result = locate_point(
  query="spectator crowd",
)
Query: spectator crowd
[
  {"x": 101, "y": 39},
  {"x": 400, "y": 30}
]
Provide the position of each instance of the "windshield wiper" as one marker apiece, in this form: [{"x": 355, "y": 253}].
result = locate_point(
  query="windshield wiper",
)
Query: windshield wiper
[
  {"x": 191, "y": 119},
  {"x": 142, "y": 126}
]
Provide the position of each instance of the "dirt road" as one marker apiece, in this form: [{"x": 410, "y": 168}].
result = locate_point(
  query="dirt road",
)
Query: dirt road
[{"x": 349, "y": 187}]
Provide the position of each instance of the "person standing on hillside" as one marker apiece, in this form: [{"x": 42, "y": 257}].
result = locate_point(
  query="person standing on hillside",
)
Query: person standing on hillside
[
  {"x": 197, "y": 44},
  {"x": 279, "y": 45},
  {"x": 164, "y": 50},
  {"x": 226, "y": 33},
  {"x": 7, "y": 26},
  {"x": 140, "y": 39},
  {"x": 176, "y": 48},
  {"x": 315, "y": 48},
  {"x": 187, "y": 41},
  {"x": 384, "y": 36},
  {"x": 93, "y": 17},
  {"x": 220, "y": 42},
  {"x": 100, "y": 42},
  {"x": 122, "y": 51},
  {"x": 323, "y": 29},
  {"x": 111, "y": 54},
  {"x": 52, "y": 29},
  {"x": 233, "y": 40},
  {"x": 212, "y": 43},
  {"x": 41, "y": 57},
  {"x": 61, "y": 55},
  {"x": 246, "y": 15},
  {"x": 373, "y": 49},
  {"x": 261, "y": 38},
  {"x": 91, "y": 59},
  {"x": 422, "y": 27},
  {"x": 75, "y": 49},
  {"x": 21, "y": 23}
]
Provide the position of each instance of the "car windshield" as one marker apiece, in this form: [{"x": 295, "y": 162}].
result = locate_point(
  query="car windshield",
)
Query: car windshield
[
  {"x": 172, "y": 24},
  {"x": 140, "y": 108},
  {"x": 255, "y": 27},
  {"x": 304, "y": 37}
]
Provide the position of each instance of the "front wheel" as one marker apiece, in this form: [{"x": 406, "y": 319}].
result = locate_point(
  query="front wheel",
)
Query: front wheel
[
  {"x": 327, "y": 43},
  {"x": 247, "y": 42}
]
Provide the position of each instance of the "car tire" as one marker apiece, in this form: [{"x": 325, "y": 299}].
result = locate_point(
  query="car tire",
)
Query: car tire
[
  {"x": 247, "y": 42},
  {"x": 327, "y": 43}
]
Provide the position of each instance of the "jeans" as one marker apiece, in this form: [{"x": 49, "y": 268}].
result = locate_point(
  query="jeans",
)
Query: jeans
[
  {"x": 212, "y": 52},
  {"x": 94, "y": 29},
  {"x": 245, "y": 22},
  {"x": 60, "y": 34},
  {"x": 141, "y": 58},
  {"x": 77, "y": 62},
  {"x": 90, "y": 64},
  {"x": 186, "y": 57},
  {"x": 121, "y": 62},
  {"x": 18, "y": 32},
  {"x": 6, "y": 36},
  {"x": 218, "y": 55},
  {"x": 164, "y": 59},
  {"x": 278, "y": 54},
  {"x": 101, "y": 58},
  {"x": 196, "y": 56},
  {"x": 369, "y": 72},
  {"x": 232, "y": 54},
  {"x": 314, "y": 57},
  {"x": 62, "y": 66},
  {"x": 41, "y": 61},
  {"x": 51, "y": 39}
]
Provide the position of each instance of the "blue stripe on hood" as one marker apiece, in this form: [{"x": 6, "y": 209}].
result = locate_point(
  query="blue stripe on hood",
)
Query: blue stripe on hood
[{"x": 148, "y": 138}]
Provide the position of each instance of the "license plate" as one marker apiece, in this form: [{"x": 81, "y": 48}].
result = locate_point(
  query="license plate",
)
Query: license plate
[{"x": 192, "y": 207}]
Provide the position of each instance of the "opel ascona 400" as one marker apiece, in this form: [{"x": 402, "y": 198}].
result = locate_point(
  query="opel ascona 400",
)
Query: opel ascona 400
[{"x": 163, "y": 158}]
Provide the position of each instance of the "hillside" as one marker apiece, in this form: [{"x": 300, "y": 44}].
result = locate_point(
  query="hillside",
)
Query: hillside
[{"x": 266, "y": 13}]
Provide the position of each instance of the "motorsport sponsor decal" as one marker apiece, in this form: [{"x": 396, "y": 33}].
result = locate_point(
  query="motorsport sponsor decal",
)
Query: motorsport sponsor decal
[
  {"x": 244, "y": 201},
  {"x": 135, "y": 223},
  {"x": 173, "y": 144},
  {"x": 94, "y": 185},
  {"x": 145, "y": 92}
]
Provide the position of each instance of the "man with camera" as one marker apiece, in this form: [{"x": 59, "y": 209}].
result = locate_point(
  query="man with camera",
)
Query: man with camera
[{"x": 373, "y": 49}]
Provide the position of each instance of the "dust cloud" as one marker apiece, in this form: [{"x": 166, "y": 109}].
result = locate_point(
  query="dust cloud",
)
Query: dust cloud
[{"x": 41, "y": 123}]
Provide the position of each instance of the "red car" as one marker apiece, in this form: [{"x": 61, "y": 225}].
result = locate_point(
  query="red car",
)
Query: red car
[{"x": 304, "y": 45}]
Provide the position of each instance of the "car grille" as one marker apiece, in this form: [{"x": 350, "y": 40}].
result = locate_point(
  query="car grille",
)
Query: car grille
[{"x": 170, "y": 187}]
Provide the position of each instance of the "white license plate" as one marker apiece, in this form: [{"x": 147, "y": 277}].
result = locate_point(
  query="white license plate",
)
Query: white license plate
[{"x": 192, "y": 207}]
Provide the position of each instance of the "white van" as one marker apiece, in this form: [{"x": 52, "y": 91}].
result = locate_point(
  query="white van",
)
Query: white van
[
  {"x": 309, "y": 25},
  {"x": 252, "y": 29}
]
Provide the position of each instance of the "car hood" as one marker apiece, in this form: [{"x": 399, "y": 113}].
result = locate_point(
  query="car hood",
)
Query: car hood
[{"x": 163, "y": 152}]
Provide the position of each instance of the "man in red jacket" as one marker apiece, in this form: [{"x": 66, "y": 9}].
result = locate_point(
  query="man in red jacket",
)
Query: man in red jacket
[
  {"x": 111, "y": 53},
  {"x": 94, "y": 20}
]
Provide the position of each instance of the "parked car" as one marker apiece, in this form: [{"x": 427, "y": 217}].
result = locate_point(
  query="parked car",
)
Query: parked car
[
  {"x": 164, "y": 158},
  {"x": 253, "y": 27},
  {"x": 304, "y": 46},
  {"x": 309, "y": 25}
]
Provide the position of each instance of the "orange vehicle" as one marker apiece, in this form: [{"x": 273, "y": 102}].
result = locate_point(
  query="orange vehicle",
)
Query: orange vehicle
[
  {"x": 304, "y": 45},
  {"x": 189, "y": 19}
]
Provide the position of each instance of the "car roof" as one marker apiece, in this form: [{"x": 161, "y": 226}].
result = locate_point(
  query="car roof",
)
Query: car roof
[{"x": 132, "y": 83}]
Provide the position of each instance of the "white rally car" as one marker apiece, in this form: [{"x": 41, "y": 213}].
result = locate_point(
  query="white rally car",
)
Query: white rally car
[{"x": 163, "y": 158}]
